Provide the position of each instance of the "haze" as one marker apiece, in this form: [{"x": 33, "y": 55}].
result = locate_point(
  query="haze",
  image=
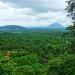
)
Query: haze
[{"x": 32, "y": 13}]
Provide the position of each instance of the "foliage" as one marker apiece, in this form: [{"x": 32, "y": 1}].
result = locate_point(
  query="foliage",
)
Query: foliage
[
  {"x": 71, "y": 9},
  {"x": 35, "y": 53}
]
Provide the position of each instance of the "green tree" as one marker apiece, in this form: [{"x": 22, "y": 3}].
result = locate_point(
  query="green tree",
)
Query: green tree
[
  {"x": 71, "y": 13},
  {"x": 25, "y": 70},
  {"x": 70, "y": 30}
]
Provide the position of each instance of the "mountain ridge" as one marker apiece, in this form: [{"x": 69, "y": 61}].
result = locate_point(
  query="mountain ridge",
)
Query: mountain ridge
[
  {"x": 12, "y": 27},
  {"x": 55, "y": 26},
  {"x": 17, "y": 27}
]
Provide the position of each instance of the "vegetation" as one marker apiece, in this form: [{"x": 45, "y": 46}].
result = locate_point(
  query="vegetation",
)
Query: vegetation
[
  {"x": 35, "y": 53},
  {"x": 71, "y": 29}
]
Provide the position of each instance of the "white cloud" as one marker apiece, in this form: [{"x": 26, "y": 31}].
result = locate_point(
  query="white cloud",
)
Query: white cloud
[
  {"x": 43, "y": 5},
  {"x": 28, "y": 17},
  {"x": 51, "y": 17}
]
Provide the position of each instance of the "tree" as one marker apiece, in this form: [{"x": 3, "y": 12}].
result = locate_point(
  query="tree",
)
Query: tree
[
  {"x": 71, "y": 13},
  {"x": 70, "y": 30},
  {"x": 71, "y": 8}
]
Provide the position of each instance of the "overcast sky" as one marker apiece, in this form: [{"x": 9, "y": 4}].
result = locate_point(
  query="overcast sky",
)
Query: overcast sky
[{"x": 31, "y": 13}]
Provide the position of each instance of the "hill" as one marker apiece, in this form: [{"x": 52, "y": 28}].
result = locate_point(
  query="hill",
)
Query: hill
[
  {"x": 56, "y": 26},
  {"x": 12, "y": 27}
]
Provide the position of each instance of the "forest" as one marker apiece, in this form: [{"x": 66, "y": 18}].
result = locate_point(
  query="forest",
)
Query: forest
[
  {"x": 36, "y": 52},
  {"x": 39, "y": 52}
]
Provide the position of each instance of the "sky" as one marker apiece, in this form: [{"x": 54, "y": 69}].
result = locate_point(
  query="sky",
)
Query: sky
[{"x": 33, "y": 13}]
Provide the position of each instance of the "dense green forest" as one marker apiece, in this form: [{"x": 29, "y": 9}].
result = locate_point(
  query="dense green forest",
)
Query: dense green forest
[
  {"x": 39, "y": 52},
  {"x": 36, "y": 52}
]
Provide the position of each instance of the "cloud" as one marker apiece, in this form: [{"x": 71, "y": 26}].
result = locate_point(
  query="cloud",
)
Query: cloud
[
  {"x": 9, "y": 14},
  {"x": 52, "y": 17},
  {"x": 40, "y": 5},
  {"x": 27, "y": 15}
]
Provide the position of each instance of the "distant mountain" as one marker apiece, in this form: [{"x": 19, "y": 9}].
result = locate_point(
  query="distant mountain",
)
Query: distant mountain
[
  {"x": 56, "y": 26},
  {"x": 12, "y": 27}
]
